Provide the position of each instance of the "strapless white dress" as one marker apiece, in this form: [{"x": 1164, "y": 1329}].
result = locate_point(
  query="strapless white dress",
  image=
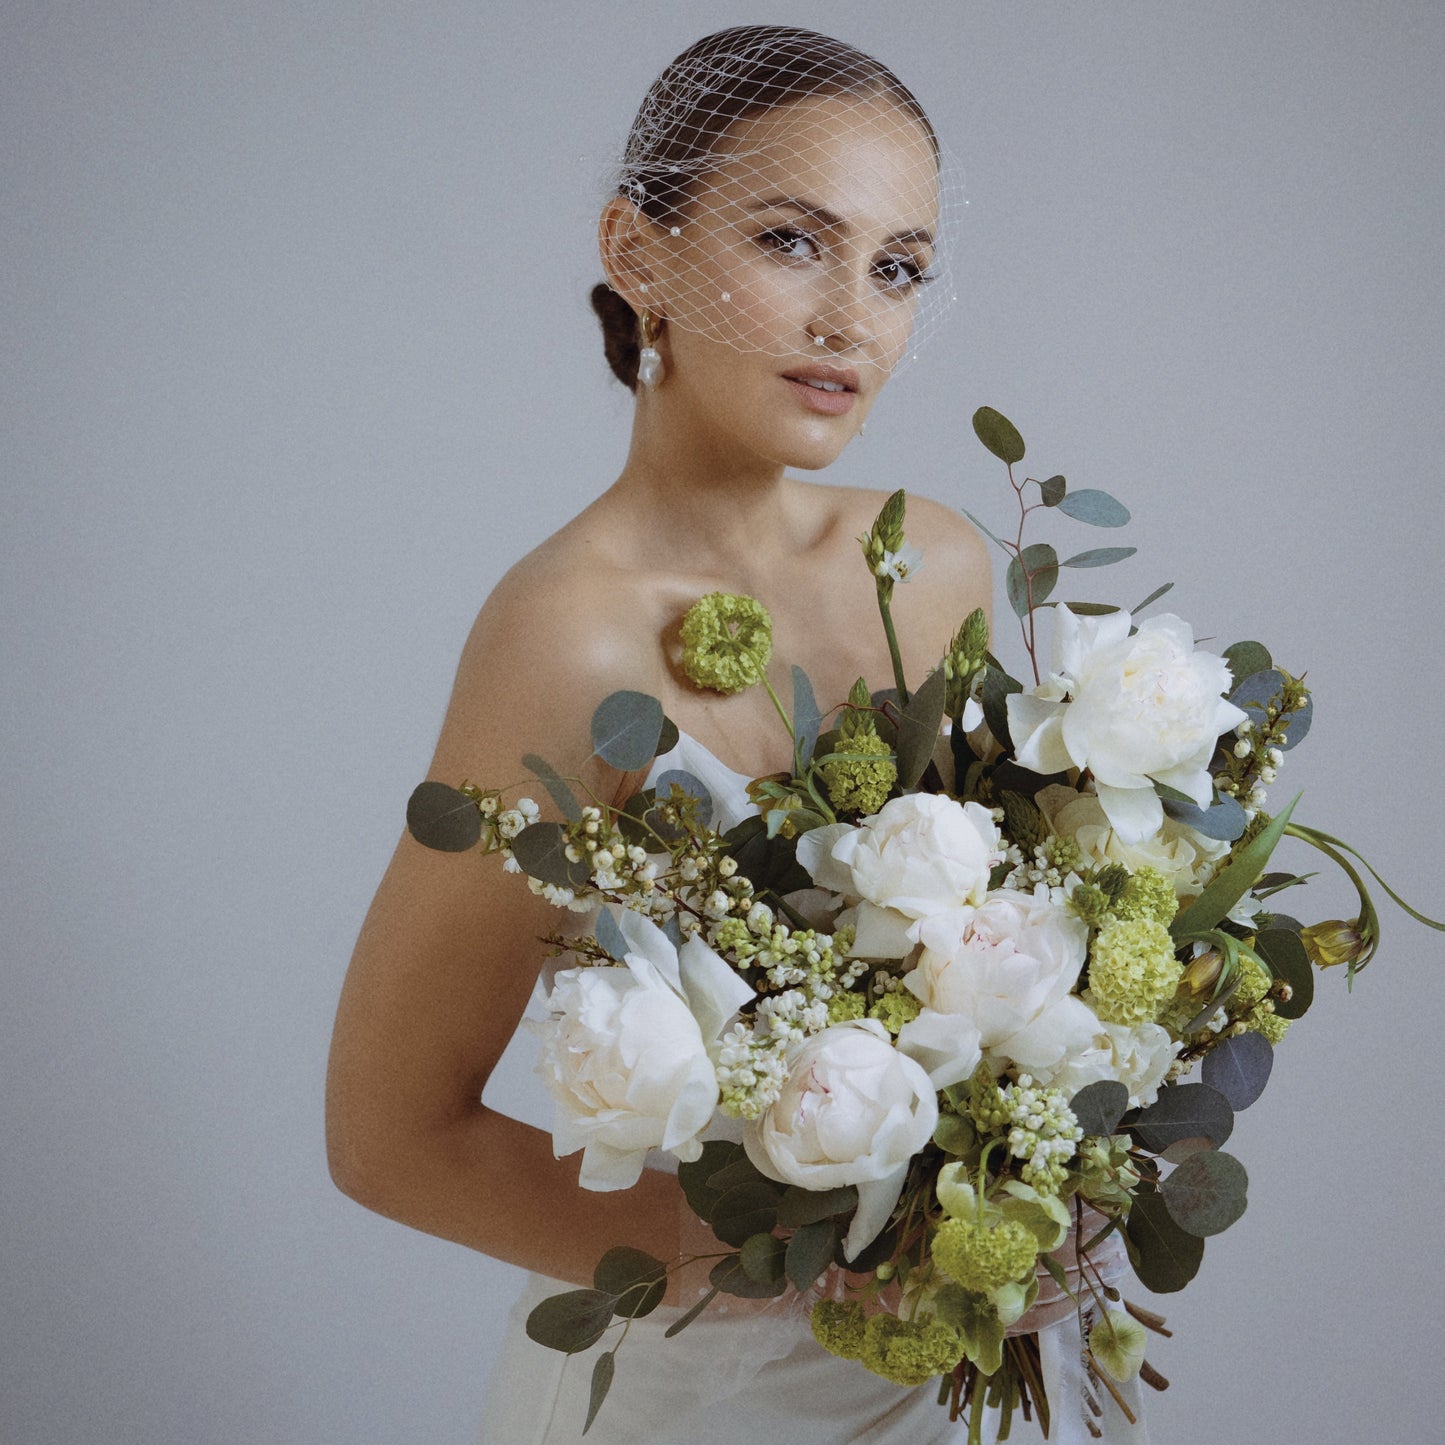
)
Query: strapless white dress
[{"x": 739, "y": 1372}]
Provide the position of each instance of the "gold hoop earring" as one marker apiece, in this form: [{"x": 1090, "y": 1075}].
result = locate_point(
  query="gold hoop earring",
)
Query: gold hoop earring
[{"x": 649, "y": 363}]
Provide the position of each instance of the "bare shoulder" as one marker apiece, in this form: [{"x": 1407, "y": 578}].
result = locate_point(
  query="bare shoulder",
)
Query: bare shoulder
[{"x": 558, "y": 632}]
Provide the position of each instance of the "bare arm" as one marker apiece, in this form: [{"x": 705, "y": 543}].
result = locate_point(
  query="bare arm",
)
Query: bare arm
[{"x": 441, "y": 974}]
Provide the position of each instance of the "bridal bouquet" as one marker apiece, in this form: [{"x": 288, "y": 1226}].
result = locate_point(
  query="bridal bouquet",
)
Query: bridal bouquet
[{"x": 967, "y": 1007}]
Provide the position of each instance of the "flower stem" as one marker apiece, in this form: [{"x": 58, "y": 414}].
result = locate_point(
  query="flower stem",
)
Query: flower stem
[
  {"x": 886, "y": 611},
  {"x": 782, "y": 713}
]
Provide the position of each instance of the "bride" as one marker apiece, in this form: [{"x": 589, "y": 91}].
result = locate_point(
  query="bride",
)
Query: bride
[{"x": 767, "y": 254}]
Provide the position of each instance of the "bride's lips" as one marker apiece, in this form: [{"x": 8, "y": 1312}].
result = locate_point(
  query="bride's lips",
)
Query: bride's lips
[{"x": 832, "y": 390}]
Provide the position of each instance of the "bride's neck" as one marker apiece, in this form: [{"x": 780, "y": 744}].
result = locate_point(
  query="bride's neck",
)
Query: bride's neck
[{"x": 700, "y": 489}]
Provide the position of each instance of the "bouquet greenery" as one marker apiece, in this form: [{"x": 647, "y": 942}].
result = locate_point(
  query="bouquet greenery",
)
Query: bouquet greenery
[{"x": 954, "y": 1027}]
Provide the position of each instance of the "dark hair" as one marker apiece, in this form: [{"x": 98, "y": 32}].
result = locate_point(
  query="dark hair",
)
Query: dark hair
[{"x": 669, "y": 144}]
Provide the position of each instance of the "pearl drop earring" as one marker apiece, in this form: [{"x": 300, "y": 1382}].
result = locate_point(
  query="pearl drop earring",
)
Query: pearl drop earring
[{"x": 649, "y": 363}]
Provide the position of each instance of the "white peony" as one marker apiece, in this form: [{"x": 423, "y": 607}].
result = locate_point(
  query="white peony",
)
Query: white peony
[
  {"x": 917, "y": 856},
  {"x": 853, "y": 1111},
  {"x": 1133, "y": 710},
  {"x": 1139, "y": 1058},
  {"x": 1182, "y": 854},
  {"x": 625, "y": 1055},
  {"x": 998, "y": 980}
]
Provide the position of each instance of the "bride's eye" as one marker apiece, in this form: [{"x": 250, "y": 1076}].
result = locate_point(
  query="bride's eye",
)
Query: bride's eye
[
  {"x": 900, "y": 273},
  {"x": 790, "y": 243}
]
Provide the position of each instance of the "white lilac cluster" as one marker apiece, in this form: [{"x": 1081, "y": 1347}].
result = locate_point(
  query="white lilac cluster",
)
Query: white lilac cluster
[
  {"x": 750, "y": 1071},
  {"x": 1043, "y": 1131}
]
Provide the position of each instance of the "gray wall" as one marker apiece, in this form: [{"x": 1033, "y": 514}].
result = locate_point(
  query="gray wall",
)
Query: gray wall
[{"x": 296, "y": 360}]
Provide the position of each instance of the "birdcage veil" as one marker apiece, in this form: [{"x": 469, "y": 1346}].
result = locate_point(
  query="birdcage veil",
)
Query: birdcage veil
[{"x": 797, "y": 196}]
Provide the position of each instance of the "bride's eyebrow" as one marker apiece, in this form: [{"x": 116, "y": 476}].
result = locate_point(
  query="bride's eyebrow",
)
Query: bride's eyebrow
[{"x": 918, "y": 236}]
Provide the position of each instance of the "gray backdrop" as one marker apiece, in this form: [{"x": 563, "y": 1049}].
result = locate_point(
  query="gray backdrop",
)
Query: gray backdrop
[{"x": 297, "y": 359}]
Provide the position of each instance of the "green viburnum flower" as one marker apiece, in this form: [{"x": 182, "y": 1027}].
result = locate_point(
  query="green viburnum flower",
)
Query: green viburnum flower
[
  {"x": 894, "y": 1010},
  {"x": 910, "y": 1352},
  {"x": 1132, "y": 971},
  {"x": 727, "y": 641},
  {"x": 845, "y": 1006},
  {"x": 1117, "y": 1342},
  {"x": 839, "y": 1325},
  {"x": 1251, "y": 1003},
  {"x": 1148, "y": 894},
  {"x": 984, "y": 1257},
  {"x": 861, "y": 782}
]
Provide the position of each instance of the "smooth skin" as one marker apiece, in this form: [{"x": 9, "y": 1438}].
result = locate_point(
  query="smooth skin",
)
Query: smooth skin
[{"x": 448, "y": 954}]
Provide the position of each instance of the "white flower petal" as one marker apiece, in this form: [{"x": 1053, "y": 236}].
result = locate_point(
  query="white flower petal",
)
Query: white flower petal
[
  {"x": 876, "y": 1198},
  {"x": 1133, "y": 813},
  {"x": 714, "y": 989},
  {"x": 815, "y": 853},
  {"x": 946, "y": 1045}
]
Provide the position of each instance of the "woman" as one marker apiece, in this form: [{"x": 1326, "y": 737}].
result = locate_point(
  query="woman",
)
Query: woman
[{"x": 765, "y": 257}]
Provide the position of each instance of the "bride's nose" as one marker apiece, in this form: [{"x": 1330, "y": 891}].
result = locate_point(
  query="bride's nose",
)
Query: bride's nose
[{"x": 843, "y": 321}]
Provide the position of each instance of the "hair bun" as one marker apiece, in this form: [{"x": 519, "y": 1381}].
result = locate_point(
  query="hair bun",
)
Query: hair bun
[{"x": 619, "y": 333}]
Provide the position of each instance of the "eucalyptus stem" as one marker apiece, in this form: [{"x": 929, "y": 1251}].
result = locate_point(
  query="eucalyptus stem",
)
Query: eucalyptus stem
[
  {"x": 885, "y": 589},
  {"x": 782, "y": 712}
]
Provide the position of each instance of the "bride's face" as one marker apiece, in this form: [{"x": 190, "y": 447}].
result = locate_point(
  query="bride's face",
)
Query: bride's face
[{"x": 791, "y": 282}]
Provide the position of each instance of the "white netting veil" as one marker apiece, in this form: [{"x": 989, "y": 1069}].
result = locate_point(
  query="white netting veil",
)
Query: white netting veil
[{"x": 788, "y": 196}]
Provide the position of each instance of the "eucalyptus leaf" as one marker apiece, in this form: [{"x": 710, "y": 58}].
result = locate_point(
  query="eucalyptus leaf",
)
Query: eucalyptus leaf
[
  {"x": 1185, "y": 1111},
  {"x": 443, "y": 818},
  {"x": 1099, "y": 557},
  {"x": 1053, "y": 490},
  {"x": 608, "y": 933},
  {"x": 992, "y": 536},
  {"x": 1247, "y": 658},
  {"x": 1232, "y": 881},
  {"x": 762, "y": 1257},
  {"x": 919, "y": 727},
  {"x": 1165, "y": 1257},
  {"x": 1223, "y": 821},
  {"x": 602, "y": 1373},
  {"x": 731, "y": 1278},
  {"x": 540, "y": 851},
  {"x": 807, "y": 720},
  {"x": 1285, "y": 954},
  {"x": 740, "y": 1170},
  {"x": 998, "y": 434},
  {"x": 693, "y": 1175},
  {"x": 571, "y": 1322},
  {"x": 626, "y": 729},
  {"x": 693, "y": 786},
  {"x": 1206, "y": 1193},
  {"x": 743, "y": 1211},
  {"x": 668, "y": 738},
  {"x": 678, "y": 1326},
  {"x": 1096, "y": 508},
  {"x": 1099, "y": 1106},
  {"x": 1239, "y": 1068},
  {"x": 1086, "y": 609},
  {"x": 1260, "y": 689},
  {"x": 1031, "y": 577},
  {"x": 799, "y": 1207},
  {"x": 555, "y": 785},
  {"x": 809, "y": 1252},
  {"x": 997, "y": 685},
  {"x": 637, "y": 1279},
  {"x": 1154, "y": 596}
]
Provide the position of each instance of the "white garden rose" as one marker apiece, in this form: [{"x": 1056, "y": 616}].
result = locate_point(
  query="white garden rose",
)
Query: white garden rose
[
  {"x": 919, "y": 855},
  {"x": 853, "y": 1111},
  {"x": 625, "y": 1055},
  {"x": 1134, "y": 710},
  {"x": 1182, "y": 854},
  {"x": 998, "y": 980},
  {"x": 1139, "y": 1058}
]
